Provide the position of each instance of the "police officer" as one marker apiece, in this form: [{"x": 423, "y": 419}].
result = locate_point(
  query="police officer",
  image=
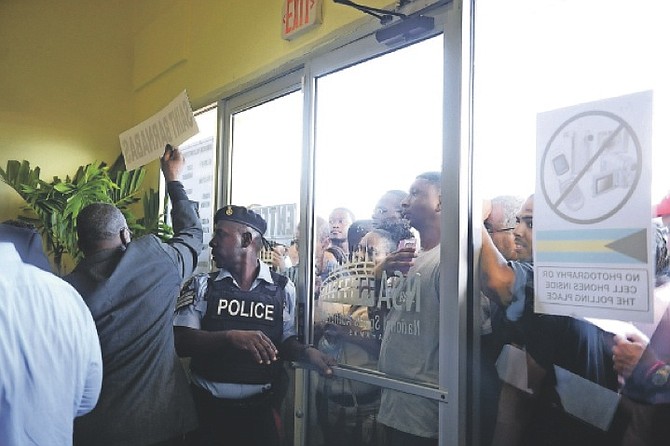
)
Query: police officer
[{"x": 237, "y": 324}]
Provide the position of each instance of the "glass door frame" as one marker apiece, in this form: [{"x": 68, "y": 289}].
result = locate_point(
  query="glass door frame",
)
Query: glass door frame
[{"x": 455, "y": 388}]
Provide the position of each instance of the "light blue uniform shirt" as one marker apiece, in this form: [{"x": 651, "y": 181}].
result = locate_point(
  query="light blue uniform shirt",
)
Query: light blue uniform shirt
[
  {"x": 191, "y": 315},
  {"x": 50, "y": 359},
  {"x": 522, "y": 271}
]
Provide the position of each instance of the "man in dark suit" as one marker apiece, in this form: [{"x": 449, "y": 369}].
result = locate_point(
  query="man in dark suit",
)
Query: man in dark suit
[
  {"x": 131, "y": 288},
  {"x": 27, "y": 242}
]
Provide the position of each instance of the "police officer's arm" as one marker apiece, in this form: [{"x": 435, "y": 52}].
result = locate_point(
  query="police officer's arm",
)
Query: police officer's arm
[
  {"x": 496, "y": 276},
  {"x": 185, "y": 246},
  {"x": 194, "y": 342},
  {"x": 293, "y": 350}
]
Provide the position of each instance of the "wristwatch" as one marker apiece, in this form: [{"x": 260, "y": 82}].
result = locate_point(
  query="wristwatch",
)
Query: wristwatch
[{"x": 660, "y": 377}]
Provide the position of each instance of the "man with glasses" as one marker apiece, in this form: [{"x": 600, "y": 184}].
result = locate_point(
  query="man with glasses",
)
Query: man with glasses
[
  {"x": 572, "y": 344},
  {"x": 131, "y": 288},
  {"x": 495, "y": 328},
  {"x": 501, "y": 222}
]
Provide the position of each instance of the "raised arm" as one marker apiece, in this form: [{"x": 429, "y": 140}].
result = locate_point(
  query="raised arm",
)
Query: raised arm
[
  {"x": 495, "y": 274},
  {"x": 186, "y": 244}
]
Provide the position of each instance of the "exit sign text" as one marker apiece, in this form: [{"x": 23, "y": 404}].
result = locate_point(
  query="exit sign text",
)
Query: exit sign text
[{"x": 300, "y": 16}]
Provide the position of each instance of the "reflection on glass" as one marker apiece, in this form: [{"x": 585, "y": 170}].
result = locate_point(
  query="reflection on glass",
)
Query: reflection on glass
[
  {"x": 560, "y": 379},
  {"x": 266, "y": 153},
  {"x": 345, "y": 412},
  {"x": 372, "y": 141},
  {"x": 198, "y": 177},
  {"x": 266, "y": 166}
]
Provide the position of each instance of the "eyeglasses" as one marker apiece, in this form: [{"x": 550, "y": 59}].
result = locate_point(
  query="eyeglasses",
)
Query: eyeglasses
[{"x": 493, "y": 231}]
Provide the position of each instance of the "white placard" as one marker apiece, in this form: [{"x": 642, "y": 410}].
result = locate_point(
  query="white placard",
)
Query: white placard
[
  {"x": 592, "y": 232},
  {"x": 146, "y": 142}
]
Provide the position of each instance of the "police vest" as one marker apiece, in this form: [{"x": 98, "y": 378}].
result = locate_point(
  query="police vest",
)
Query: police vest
[{"x": 229, "y": 308}]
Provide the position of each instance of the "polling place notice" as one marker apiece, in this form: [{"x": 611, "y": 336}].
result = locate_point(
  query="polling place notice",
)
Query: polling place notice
[
  {"x": 592, "y": 220},
  {"x": 146, "y": 142}
]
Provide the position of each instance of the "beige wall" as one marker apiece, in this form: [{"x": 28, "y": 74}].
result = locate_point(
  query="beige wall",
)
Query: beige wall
[{"x": 74, "y": 74}]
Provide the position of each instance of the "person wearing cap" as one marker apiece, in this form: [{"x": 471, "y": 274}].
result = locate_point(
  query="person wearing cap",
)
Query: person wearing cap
[
  {"x": 131, "y": 289},
  {"x": 237, "y": 325}
]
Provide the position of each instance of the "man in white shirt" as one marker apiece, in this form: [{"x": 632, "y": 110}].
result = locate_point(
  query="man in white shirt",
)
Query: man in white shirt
[{"x": 50, "y": 355}]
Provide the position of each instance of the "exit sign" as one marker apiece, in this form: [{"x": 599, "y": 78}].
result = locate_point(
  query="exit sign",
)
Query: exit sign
[{"x": 300, "y": 16}]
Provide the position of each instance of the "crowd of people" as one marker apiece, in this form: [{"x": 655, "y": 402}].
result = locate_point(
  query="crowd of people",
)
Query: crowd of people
[
  {"x": 139, "y": 350},
  {"x": 617, "y": 402}
]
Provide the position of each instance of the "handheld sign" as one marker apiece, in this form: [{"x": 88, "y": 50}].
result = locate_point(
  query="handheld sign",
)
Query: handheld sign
[{"x": 146, "y": 142}]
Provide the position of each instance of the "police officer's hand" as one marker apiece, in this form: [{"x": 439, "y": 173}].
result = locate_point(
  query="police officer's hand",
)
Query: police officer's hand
[
  {"x": 256, "y": 343},
  {"x": 321, "y": 361},
  {"x": 172, "y": 163}
]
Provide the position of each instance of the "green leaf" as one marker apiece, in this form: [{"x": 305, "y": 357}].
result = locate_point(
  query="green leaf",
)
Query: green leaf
[{"x": 54, "y": 206}]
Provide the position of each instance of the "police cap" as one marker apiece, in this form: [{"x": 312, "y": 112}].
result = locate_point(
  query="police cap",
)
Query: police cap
[{"x": 240, "y": 214}]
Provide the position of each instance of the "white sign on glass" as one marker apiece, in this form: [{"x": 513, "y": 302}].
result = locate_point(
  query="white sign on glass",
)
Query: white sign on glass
[{"x": 592, "y": 221}]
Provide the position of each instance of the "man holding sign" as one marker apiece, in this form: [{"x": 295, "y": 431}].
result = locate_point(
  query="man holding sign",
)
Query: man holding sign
[{"x": 131, "y": 288}]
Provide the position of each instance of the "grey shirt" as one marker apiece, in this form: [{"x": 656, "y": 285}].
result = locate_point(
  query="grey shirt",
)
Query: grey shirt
[{"x": 410, "y": 348}]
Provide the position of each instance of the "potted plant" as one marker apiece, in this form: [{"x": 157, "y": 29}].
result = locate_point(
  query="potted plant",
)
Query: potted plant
[{"x": 53, "y": 206}]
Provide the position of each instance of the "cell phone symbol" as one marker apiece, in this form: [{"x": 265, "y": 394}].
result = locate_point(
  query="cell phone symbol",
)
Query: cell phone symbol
[{"x": 561, "y": 165}]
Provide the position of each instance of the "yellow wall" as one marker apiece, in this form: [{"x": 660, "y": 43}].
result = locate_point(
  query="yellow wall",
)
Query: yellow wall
[
  {"x": 65, "y": 86},
  {"x": 221, "y": 43},
  {"x": 74, "y": 74}
]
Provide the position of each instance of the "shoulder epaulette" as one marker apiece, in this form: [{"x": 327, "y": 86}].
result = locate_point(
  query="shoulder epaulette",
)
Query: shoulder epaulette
[{"x": 186, "y": 295}]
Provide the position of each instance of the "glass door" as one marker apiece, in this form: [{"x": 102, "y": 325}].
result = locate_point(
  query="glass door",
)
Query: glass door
[
  {"x": 262, "y": 169},
  {"x": 378, "y": 160},
  {"x": 354, "y": 139},
  {"x": 570, "y": 145}
]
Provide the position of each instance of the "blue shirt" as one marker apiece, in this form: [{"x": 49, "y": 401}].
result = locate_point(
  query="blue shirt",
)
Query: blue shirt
[
  {"x": 51, "y": 364},
  {"x": 523, "y": 276}
]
